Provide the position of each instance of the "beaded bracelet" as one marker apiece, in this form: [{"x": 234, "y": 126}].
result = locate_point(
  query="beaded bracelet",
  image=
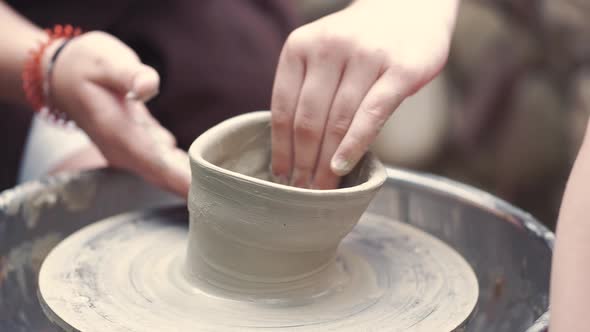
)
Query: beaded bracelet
[{"x": 36, "y": 84}]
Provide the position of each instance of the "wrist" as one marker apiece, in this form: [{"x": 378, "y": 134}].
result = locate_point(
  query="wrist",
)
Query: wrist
[
  {"x": 36, "y": 75},
  {"x": 13, "y": 60},
  {"x": 47, "y": 65},
  {"x": 49, "y": 52}
]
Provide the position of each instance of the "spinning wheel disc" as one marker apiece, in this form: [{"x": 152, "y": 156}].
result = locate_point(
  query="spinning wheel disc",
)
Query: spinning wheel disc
[{"x": 126, "y": 273}]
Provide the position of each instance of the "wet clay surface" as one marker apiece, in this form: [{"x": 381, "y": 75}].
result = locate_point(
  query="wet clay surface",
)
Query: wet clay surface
[
  {"x": 246, "y": 231},
  {"x": 127, "y": 274}
]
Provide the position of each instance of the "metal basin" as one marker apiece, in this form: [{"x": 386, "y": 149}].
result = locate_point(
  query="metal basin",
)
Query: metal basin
[{"x": 508, "y": 249}]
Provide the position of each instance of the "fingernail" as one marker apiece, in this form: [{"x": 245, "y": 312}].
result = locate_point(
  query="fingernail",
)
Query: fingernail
[
  {"x": 131, "y": 95},
  {"x": 141, "y": 82},
  {"x": 341, "y": 166}
]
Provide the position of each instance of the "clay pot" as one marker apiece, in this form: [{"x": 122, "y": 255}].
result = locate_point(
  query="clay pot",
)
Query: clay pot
[{"x": 246, "y": 229}]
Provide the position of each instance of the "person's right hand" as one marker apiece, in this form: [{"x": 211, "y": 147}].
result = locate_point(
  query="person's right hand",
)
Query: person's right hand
[
  {"x": 101, "y": 84},
  {"x": 340, "y": 78}
]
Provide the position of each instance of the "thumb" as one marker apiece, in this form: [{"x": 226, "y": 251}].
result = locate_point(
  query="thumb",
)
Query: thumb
[{"x": 132, "y": 79}]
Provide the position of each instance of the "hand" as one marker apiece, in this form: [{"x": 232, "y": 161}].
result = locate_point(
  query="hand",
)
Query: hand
[
  {"x": 101, "y": 83},
  {"x": 341, "y": 77},
  {"x": 85, "y": 158}
]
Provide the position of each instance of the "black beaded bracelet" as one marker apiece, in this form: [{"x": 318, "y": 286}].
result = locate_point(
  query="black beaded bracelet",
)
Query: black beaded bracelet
[{"x": 50, "y": 111}]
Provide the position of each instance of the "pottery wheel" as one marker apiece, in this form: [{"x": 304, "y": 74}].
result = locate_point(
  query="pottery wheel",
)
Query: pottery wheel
[{"x": 126, "y": 274}]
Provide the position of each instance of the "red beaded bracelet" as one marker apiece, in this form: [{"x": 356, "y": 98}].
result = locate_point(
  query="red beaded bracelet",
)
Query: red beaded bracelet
[{"x": 35, "y": 82}]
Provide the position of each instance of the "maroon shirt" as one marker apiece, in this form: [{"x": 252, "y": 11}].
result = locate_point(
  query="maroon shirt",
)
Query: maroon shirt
[{"x": 216, "y": 58}]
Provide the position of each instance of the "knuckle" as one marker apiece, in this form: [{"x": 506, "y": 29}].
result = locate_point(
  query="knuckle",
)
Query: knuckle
[
  {"x": 324, "y": 51},
  {"x": 307, "y": 102},
  {"x": 280, "y": 101},
  {"x": 339, "y": 125},
  {"x": 402, "y": 69},
  {"x": 296, "y": 40},
  {"x": 376, "y": 116},
  {"x": 330, "y": 45},
  {"x": 362, "y": 56},
  {"x": 368, "y": 55},
  {"x": 333, "y": 40},
  {"x": 339, "y": 129},
  {"x": 379, "y": 54},
  {"x": 306, "y": 129},
  {"x": 296, "y": 35},
  {"x": 346, "y": 100},
  {"x": 355, "y": 142},
  {"x": 281, "y": 119}
]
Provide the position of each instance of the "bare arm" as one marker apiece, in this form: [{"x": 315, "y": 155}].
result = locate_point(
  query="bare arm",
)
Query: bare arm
[
  {"x": 17, "y": 37},
  {"x": 570, "y": 287}
]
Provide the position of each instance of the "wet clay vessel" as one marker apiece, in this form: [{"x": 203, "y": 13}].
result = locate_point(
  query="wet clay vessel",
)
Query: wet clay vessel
[
  {"x": 257, "y": 255},
  {"x": 247, "y": 230}
]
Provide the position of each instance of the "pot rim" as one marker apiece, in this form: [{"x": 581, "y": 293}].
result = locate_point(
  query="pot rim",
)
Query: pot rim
[{"x": 376, "y": 179}]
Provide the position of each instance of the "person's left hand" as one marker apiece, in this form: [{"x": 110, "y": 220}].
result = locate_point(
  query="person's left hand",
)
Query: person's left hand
[{"x": 340, "y": 78}]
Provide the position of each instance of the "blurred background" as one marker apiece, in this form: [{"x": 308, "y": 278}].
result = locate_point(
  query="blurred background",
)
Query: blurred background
[{"x": 509, "y": 112}]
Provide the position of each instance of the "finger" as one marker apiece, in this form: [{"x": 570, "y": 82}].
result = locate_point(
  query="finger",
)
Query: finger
[
  {"x": 88, "y": 157},
  {"x": 127, "y": 76},
  {"x": 381, "y": 100},
  {"x": 321, "y": 81},
  {"x": 165, "y": 166},
  {"x": 159, "y": 133},
  {"x": 142, "y": 116},
  {"x": 288, "y": 81},
  {"x": 175, "y": 167},
  {"x": 133, "y": 111},
  {"x": 360, "y": 74},
  {"x": 145, "y": 84},
  {"x": 127, "y": 145}
]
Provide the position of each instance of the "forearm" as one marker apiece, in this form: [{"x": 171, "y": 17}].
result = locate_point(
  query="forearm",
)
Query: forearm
[
  {"x": 571, "y": 263},
  {"x": 17, "y": 37}
]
